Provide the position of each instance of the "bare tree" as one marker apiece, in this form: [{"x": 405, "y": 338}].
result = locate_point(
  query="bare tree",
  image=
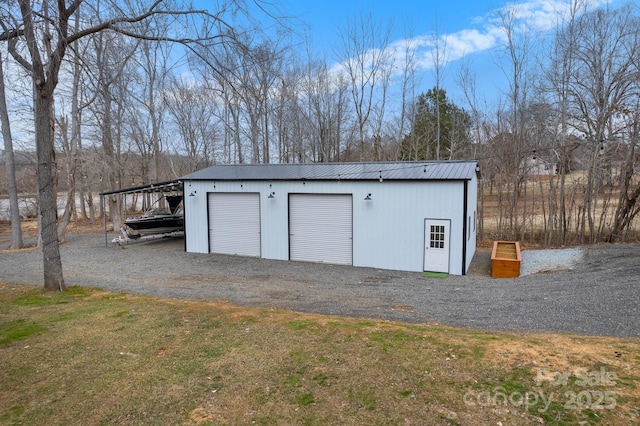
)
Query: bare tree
[
  {"x": 38, "y": 36},
  {"x": 465, "y": 79},
  {"x": 112, "y": 54},
  {"x": 516, "y": 49},
  {"x": 558, "y": 64},
  {"x": 365, "y": 61},
  {"x": 32, "y": 27},
  {"x": 408, "y": 94},
  {"x": 261, "y": 66},
  {"x": 153, "y": 69},
  {"x": 628, "y": 205},
  {"x": 602, "y": 83},
  {"x": 71, "y": 145},
  {"x": 439, "y": 56},
  {"x": 289, "y": 122},
  {"x": 5, "y": 123},
  {"x": 228, "y": 70},
  {"x": 557, "y": 74},
  {"x": 325, "y": 110},
  {"x": 232, "y": 123},
  {"x": 191, "y": 108}
]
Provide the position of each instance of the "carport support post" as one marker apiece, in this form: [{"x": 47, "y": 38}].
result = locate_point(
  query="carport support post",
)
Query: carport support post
[{"x": 104, "y": 219}]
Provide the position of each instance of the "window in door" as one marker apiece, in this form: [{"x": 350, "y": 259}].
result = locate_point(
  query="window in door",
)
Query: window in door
[{"x": 436, "y": 239}]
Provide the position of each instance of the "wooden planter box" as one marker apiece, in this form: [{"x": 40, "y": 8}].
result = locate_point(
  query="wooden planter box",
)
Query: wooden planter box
[{"x": 505, "y": 259}]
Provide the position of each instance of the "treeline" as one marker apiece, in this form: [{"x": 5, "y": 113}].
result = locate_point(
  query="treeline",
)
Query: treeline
[{"x": 131, "y": 111}]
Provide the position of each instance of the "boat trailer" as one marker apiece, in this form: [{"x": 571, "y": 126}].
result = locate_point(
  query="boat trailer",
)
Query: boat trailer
[{"x": 128, "y": 237}]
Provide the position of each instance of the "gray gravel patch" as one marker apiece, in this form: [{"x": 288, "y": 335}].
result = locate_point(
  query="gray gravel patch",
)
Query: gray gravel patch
[
  {"x": 592, "y": 290},
  {"x": 536, "y": 261}
]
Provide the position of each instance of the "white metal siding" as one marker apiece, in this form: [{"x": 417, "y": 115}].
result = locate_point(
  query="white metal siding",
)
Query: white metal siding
[
  {"x": 234, "y": 223},
  {"x": 388, "y": 230},
  {"x": 321, "y": 228}
]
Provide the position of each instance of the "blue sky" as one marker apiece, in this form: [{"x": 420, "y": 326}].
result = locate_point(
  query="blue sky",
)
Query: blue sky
[
  {"x": 469, "y": 29},
  {"x": 327, "y": 17}
]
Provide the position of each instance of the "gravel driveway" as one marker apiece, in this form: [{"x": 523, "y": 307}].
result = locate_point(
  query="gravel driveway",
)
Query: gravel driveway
[{"x": 593, "y": 290}]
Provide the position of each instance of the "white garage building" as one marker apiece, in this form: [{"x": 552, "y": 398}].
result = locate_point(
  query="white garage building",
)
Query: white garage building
[{"x": 412, "y": 216}]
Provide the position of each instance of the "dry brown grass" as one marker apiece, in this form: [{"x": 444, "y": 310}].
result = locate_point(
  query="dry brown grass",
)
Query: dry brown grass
[{"x": 92, "y": 357}]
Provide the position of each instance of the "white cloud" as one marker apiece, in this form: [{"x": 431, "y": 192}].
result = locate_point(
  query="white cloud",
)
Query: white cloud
[
  {"x": 482, "y": 35},
  {"x": 488, "y": 31},
  {"x": 471, "y": 41},
  {"x": 541, "y": 15},
  {"x": 485, "y": 32}
]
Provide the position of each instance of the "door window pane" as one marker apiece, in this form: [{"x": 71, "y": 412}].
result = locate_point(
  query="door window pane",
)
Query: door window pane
[{"x": 436, "y": 236}]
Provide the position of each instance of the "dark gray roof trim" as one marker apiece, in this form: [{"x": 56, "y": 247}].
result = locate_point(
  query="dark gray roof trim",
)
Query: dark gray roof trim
[{"x": 404, "y": 170}]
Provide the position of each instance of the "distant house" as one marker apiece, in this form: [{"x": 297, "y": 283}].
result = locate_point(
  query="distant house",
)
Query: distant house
[
  {"x": 413, "y": 216},
  {"x": 537, "y": 167}
]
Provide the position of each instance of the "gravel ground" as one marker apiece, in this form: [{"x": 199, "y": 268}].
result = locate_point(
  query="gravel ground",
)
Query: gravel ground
[{"x": 593, "y": 290}]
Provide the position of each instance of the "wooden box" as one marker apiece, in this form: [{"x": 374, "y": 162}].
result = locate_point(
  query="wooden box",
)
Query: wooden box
[{"x": 505, "y": 259}]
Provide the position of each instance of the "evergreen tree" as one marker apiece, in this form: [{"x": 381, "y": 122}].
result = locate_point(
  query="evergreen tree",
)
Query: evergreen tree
[{"x": 440, "y": 129}]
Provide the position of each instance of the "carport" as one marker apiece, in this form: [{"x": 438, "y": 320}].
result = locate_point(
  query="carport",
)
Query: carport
[{"x": 154, "y": 191}]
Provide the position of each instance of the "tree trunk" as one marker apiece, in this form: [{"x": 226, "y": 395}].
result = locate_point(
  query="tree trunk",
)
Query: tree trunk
[
  {"x": 69, "y": 204},
  {"x": 92, "y": 209},
  {"x": 73, "y": 161},
  {"x": 110, "y": 154},
  {"x": 66, "y": 215},
  {"x": 627, "y": 201},
  {"x": 47, "y": 202},
  {"x": 16, "y": 230}
]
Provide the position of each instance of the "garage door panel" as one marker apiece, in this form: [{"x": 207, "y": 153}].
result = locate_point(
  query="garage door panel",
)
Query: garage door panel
[
  {"x": 321, "y": 228},
  {"x": 234, "y": 223}
]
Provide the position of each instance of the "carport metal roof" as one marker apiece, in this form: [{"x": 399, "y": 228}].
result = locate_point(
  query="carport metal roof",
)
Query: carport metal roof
[
  {"x": 168, "y": 186},
  {"x": 399, "y": 170}
]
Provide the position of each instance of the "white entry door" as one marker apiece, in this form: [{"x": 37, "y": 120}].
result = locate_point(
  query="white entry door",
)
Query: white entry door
[{"x": 436, "y": 252}]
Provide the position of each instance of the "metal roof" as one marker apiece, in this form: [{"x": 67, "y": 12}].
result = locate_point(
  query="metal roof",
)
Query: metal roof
[
  {"x": 399, "y": 170},
  {"x": 168, "y": 186}
]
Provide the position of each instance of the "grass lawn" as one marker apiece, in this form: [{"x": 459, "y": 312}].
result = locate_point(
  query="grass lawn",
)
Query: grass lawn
[{"x": 88, "y": 357}]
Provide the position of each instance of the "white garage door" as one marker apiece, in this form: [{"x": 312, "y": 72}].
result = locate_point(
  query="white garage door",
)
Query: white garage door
[
  {"x": 321, "y": 228},
  {"x": 234, "y": 223}
]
